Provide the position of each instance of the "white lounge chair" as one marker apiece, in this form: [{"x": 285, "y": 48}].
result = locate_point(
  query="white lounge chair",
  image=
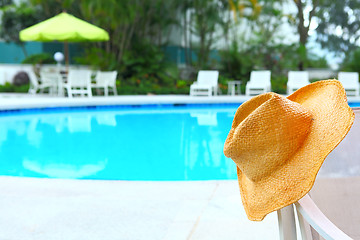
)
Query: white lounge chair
[
  {"x": 78, "y": 82},
  {"x": 350, "y": 81},
  {"x": 308, "y": 215},
  {"x": 296, "y": 80},
  {"x": 105, "y": 80},
  {"x": 206, "y": 84},
  {"x": 259, "y": 83}
]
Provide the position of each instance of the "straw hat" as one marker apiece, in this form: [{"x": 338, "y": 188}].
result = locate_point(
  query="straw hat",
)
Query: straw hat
[{"x": 279, "y": 143}]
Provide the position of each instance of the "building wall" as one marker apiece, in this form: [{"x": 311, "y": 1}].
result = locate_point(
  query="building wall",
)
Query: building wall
[
  {"x": 13, "y": 53},
  {"x": 176, "y": 54}
]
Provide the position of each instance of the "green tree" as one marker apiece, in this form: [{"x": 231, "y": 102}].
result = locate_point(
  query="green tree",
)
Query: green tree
[
  {"x": 185, "y": 25},
  {"x": 4, "y": 3},
  {"x": 339, "y": 25},
  {"x": 352, "y": 62},
  {"x": 14, "y": 19},
  {"x": 138, "y": 31},
  {"x": 50, "y": 8},
  {"x": 260, "y": 22},
  {"x": 307, "y": 11},
  {"x": 126, "y": 20},
  {"x": 266, "y": 36},
  {"x": 236, "y": 60},
  {"x": 206, "y": 18},
  {"x": 135, "y": 27}
]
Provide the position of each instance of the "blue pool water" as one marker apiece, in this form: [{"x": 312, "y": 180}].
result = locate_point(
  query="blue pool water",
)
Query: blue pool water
[
  {"x": 118, "y": 143},
  {"x": 123, "y": 143},
  {"x": 354, "y": 104}
]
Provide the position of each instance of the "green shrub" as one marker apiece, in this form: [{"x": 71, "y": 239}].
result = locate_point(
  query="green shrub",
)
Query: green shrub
[
  {"x": 41, "y": 58},
  {"x": 317, "y": 62},
  {"x": 182, "y": 84},
  {"x": 235, "y": 64},
  {"x": 22, "y": 89},
  {"x": 146, "y": 61},
  {"x": 134, "y": 90},
  {"x": 352, "y": 62},
  {"x": 98, "y": 59},
  {"x": 278, "y": 84},
  {"x": 8, "y": 87}
]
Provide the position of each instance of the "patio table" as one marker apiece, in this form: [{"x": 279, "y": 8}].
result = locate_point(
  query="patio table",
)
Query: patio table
[{"x": 234, "y": 87}]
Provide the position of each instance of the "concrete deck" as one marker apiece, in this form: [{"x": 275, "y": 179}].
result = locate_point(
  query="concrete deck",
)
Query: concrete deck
[
  {"x": 54, "y": 209},
  {"x": 46, "y": 209}
]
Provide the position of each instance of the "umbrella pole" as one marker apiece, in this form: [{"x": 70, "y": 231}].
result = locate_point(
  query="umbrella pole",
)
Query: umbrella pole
[{"x": 66, "y": 51}]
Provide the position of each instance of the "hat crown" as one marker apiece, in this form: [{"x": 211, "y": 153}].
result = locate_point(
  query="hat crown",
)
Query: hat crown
[{"x": 266, "y": 132}]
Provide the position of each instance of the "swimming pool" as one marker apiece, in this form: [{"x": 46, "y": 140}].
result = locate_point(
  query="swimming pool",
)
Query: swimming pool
[
  {"x": 137, "y": 142},
  {"x": 166, "y": 142}
]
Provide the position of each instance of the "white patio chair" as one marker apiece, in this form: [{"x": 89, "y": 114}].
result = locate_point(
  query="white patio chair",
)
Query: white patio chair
[
  {"x": 350, "y": 81},
  {"x": 50, "y": 80},
  {"x": 206, "y": 84},
  {"x": 46, "y": 81},
  {"x": 105, "y": 80},
  {"x": 296, "y": 80},
  {"x": 308, "y": 215},
  {"x": 260, "y": 82},
  {"x": 34, "y": 82},
  {"x": 78, "y": 82}
]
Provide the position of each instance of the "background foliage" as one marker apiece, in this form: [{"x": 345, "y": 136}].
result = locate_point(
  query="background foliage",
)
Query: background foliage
[{"x": 250, "y": 31}]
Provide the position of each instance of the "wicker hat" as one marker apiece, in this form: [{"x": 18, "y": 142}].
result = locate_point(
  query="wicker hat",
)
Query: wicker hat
[{"x": 279, "y": 143}]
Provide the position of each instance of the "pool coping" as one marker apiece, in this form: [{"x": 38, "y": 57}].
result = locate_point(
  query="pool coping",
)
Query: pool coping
[
  {"x": 12, "y": 102},
  {"x": 29, "y": 101}
]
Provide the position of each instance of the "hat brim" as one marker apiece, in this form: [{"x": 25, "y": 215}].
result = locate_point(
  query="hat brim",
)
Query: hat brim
[{"x": 333, "y": 118}]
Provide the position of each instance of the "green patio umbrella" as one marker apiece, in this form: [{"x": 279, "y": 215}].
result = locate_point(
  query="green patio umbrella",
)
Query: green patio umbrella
[{"x": 65, "y": 28}]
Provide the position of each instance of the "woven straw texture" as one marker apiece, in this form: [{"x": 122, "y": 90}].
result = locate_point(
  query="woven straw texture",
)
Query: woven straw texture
[{"x": 279, "y": 143}]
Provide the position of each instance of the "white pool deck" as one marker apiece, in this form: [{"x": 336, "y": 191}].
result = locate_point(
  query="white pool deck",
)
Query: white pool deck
[
  {"x": 83, "y": 209},
  {"x": 39, "y": 209}
]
